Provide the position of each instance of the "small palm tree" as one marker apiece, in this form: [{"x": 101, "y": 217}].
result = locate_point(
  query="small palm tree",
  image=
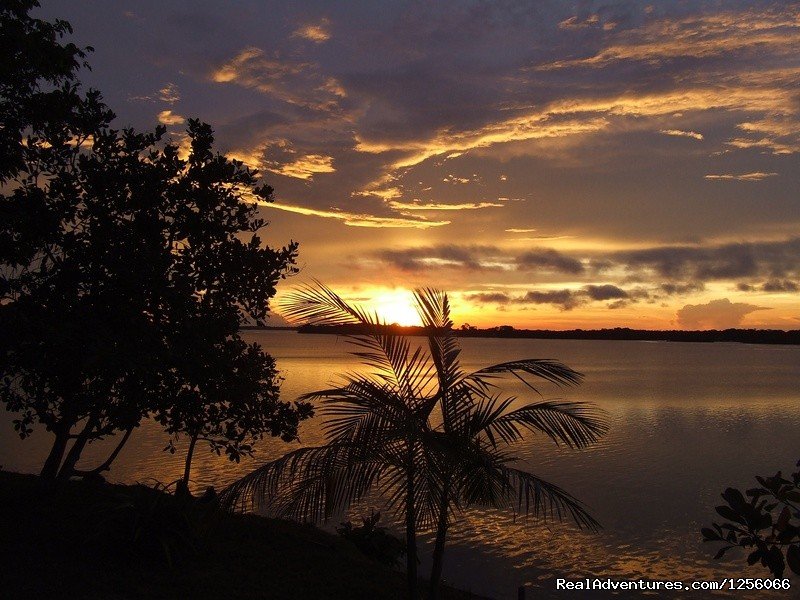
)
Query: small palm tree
[{"x": 429, "y": 438}]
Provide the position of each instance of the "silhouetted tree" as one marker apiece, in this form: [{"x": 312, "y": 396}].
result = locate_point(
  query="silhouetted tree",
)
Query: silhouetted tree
[
  {"x": 39, "y": 99},
  {"x": 764, "y": 520},
  {"x": 224, "y": 391},
  {"x": 114, "y": 253},
  {"x": 426, "y": 436}
]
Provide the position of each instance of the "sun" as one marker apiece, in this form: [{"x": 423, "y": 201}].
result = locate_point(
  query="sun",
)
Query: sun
[{"x": 396, "y": 306}]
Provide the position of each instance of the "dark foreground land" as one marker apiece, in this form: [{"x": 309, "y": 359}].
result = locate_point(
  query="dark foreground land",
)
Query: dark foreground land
[{"x": 95, "y": 540}]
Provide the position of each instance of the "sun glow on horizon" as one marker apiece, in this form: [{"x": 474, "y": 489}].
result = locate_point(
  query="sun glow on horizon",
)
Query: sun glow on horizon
[{"x": 395, "y": 306}]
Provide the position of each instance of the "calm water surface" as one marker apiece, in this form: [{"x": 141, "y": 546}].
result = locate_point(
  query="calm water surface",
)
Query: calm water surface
[{"x": 687, "y": 420}]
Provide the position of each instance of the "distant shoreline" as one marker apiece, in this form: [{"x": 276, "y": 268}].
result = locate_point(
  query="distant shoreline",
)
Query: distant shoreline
[{"x": 745, "y": 336}]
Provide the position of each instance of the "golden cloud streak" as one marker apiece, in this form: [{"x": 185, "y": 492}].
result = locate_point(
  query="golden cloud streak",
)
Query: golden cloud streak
[
  {"x": 756, "y": 176},
  {"x": 526, "y": 128},
  {"x": 434, "y": 206},
  {"x": 353, "y": 219},
  {"x": 305, "y": 167},
  {"x": 702, "y": 37},
  {"x": 569, "y": 118},
  {"x": 772, "y": 145}
]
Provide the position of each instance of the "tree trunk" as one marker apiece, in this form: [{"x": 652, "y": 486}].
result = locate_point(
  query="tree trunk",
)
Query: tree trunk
[
  {"x": 411, "y": 530},
  {"x": 107, "y": 464},
  {"x": 188, "y": 466},
  {"x": 438, "y": 548},
  {"x": 53, "y": 462},
  {"x": 74, "y": 454}
]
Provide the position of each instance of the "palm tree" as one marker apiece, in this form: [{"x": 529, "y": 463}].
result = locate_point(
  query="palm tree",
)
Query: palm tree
[
  {"x": 429, "y": 438},
  {"x": 478, "y": 425}
]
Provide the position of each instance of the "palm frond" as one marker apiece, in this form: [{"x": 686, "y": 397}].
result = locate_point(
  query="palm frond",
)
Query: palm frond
[
  {"x": 261, "y": 486},
  {"x": 550, "y": 370},
  {"x": 389, "y": 354},
  {"x": 575, "y": 424},
  {"x": 533, "y": 496},
  {"x": 434, "y": 310},
  {"x": 382, "y": 436},
  {"x": 366, "y": 413},
  {"x": 319, "y": 305}
]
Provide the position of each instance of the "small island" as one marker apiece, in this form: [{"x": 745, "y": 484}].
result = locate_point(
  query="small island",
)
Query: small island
[{"x": 745, "y": 336}]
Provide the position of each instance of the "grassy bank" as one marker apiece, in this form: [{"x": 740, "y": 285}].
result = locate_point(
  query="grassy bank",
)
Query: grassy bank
[{"x": 84, "y": 540}]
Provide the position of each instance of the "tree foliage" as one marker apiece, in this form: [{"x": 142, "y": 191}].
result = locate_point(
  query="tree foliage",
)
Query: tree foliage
[
  {"x": 38, "y": 90},
  {"x": 764, "y": 520},
  {"x": 126, "y": 268}
]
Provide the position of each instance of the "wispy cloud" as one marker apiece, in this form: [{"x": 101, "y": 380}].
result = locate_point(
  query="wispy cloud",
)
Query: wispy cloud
[
  {"x": 314, "y": 32},
  {"x": 695, "y": 37},
  {"x": 754, "y": 176},
  {"x": 443, "y": 206},
  {"x": 289, "y": 80},
  {"x": 356, "y": 219},
  {"x": 169, "y": 93},
  {"x": 681, "y": 133}
]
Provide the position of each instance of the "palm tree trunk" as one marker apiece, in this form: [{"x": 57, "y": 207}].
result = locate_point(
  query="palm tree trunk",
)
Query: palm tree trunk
[
  {"x": 411, "y": 529},
  {"x": 438, "y": 548}
]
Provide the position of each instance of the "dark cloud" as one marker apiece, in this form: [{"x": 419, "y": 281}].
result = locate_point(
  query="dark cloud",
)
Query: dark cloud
[
  {"x": 776, "y": 285},
  {"x": 728, "y": 261},
  {"x": 567, "y": 299},
  {"x": 688, "y": 267},
  {"x": 680, "y": 289},
  {"x": 605, "y": 292},
  {"x": 549, "y": 259},
  {"x": 489, "y": 298},
  {"x": 480, "y": 258},
  {"x": 564, "y": 299},
  {"x": 432, "y": 257}
]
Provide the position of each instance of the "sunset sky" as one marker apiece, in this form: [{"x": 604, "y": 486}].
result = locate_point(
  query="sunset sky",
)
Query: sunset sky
[{"x": 550, "y": 164}]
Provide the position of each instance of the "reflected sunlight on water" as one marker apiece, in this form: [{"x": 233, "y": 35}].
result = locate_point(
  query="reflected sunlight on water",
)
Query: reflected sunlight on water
[{"x": 687, "y": 421}]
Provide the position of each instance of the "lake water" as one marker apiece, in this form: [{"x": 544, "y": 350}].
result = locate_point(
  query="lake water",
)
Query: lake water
[{"x": 687, "y": 421}]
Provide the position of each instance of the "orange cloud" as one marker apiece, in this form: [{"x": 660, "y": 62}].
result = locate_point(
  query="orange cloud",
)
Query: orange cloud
[
  {"x": 317, "y": 33},
  {"x": 167, "y": 117},
  {"x": 717, "y": 314},
  {"x": 305, "y": 167}
]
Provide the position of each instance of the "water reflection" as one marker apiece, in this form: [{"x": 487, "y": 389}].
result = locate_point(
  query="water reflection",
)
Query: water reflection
[{"x": 687, "y": 420}]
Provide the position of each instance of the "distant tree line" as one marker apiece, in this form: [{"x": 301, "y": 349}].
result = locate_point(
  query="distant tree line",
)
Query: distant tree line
[
  {"x": 126, "y": 269},
  {"x": 748, "y": 336}
]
